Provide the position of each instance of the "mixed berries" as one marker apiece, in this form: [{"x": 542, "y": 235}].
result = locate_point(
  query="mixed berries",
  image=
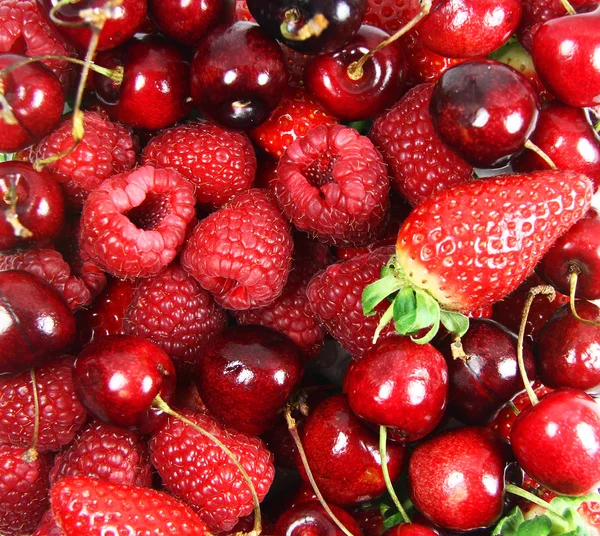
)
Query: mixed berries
[{"x": 299, "y": 267}]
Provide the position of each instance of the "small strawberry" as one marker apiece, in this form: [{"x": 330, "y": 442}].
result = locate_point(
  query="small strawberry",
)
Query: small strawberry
[
  {"x": 391, "y": 15},
  {"x": 89, "y": 507},
  {"x": 469, "y": 246}
]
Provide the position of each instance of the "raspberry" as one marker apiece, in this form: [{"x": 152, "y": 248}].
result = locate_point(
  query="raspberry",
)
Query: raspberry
[
  {"x": 107, "y": 148},
  {"x": 418, "y": 162},
  {"x": 333, "y": 184},
  {"x": 335, "y": 296},
  {"x": 133, "y": 224},
  {"x": 23, "y": 490},
  {"x": 194, "y": 469},
  {"x": 173, "y": 311},
  {"x": 242, "y": 253},
  {"x": 23, "y": 30},
  {"x": 50, "y": 266},
  {"x": 220, "y": 163},
  {"x": 106, "y": 452},
  {"x": 61, "y": 414}
]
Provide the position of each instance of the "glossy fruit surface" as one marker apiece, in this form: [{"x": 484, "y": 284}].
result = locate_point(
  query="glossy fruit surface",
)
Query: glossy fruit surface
[{"x": 310, "y": 518}]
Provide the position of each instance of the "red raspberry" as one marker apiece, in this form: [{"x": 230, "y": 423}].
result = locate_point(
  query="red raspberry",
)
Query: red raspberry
[
  {"x": 335, "y": 295},
  {"x": 194, "y": 469},
  {"x": 23, "y": 30},
  {"x": 106, "y": 452},
  {"x": 242, "y": 253},
  {"x": 50, "y": 266},
  {"x": 107, "y": 148},
  {"x": 333, "y": 184},
  {"x": 294, "y": 117},
  {"x": 173, "y": 311},
  {"x": 134, "y": 223},
  {"x": 220, "y": 163},
  {"x": 61, "y": 414},
  {"x": 418, "y": 162},
  {"x": 23, "y": 490}
]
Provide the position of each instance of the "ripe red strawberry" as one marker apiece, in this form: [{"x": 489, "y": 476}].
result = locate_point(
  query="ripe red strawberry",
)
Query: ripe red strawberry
[
  {"x": 418, "y": 162},
  {"x": 207, "y": 478},
  {"x": 88, "y": 507},
  {"x": 134, "y": 223},
  {"x": 220, "y": 163},
  {"x": 23, "y": 490},
  {"x": 391, "y": 15},
  {"x": 106, "y": 452},
  {"x": 242, "y": 253},
  {"x": 469, "y": 246},
  {"x": 333, "y": 184},
  {"x": 294, "y": 117},
  {"x": 61, "y": 413}
]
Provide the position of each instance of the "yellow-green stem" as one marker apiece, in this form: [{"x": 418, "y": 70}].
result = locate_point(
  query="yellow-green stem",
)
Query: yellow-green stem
[
  {"x": 574, "y": 275},
  {"x": 386, "y": 474}
]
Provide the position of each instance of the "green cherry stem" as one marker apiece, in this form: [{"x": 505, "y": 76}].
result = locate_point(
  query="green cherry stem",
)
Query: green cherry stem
[
  {"x": 574, "y": 274},
  {"x": 31, "y": 454},
  {"x": 528, "y": 496},
  {"x": 533, "y": 147},
  {"x": 386, "y": 474},
  {"x": 568, "y": 7}
]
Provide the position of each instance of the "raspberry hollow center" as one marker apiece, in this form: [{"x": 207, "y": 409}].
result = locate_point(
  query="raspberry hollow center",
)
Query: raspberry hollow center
[
  {"x": 151, "y": 212},
  {"x": 319, "y": 171}
]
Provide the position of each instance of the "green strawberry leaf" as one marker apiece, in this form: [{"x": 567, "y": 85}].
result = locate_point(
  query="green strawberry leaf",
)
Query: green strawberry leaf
[
  {"x": 428, "y": 311},
  {"x": 454, "y": 322},
  {"x": 392, "y": 521},
  {"x": 405, "y": 310},
  {"x": 376, "y": 292},
  {"x": 563, "y": 502},
  {"x": 538, "y": 526},
  {"x": 509, "y": 524},
  {"x": 429, "y": 335}
]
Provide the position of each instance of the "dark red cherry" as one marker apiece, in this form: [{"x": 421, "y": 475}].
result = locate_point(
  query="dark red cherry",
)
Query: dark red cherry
[
  {"x": 155, "y": 89},
  {"x": 35, "y": 321},
  {"x": 238, "y": 75},
  {"x": 117, "y": 379},
  {"x": 410, "y": 529},
  {"x": 36, "y": 101},
  {"x": 311, "y": 518},
  {"x": 343, "y": 454},
  {"x": 354, "y": 96},
  {"x": 485, "y": 111},
  {"x": 456, "y": 479},
  {"x": 490, "y": 375},
  {"x": 468, "y": 28},
  {"x": 246, "y": 375},
  {"x": 569, "y": 350},
  {"x": 567, "y": 136},
  {"x": 402, "y": 385},
  {"x": 336, "y": 22},
  {"x": 125, "y": 17},
  {"x": 185, "y": 21},
  {"x": 565, "y": 53},
  {"x": 557, "y": 442},
  {"x": 32, "y": 208}
]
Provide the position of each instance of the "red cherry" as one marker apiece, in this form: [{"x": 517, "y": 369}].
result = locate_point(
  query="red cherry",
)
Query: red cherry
[
  {"x": 311, "y": 518},
  {"x": 410, "y": 529},
  {"x": 557, "y": 442}
]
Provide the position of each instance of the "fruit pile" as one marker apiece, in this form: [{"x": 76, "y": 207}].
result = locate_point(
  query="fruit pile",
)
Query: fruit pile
[{"x": 299, "y": 267}]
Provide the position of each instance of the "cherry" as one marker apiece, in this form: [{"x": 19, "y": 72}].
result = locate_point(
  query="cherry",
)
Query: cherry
[
  {"x": 484, "y": 110},
  {"x": 155, "y": 88},
  {"x": 246, "y": 376},
  {"x": 557, "y": 442},
  {"x": 569, "y": 350},
  {"x": 35, "y": 321},
  {"x": 456, "y": 479},
  {"x": 567, "y": 136},
  {"x": 238, "y": 75},
  {"x": 31, "y": 102},
  {"x": 343, "y": 454},
  {"x": 31, "y": 206},
  {"x": 401, "y": 385},
  {"x": 489, "y": 376},
  {"x": 565, "y": 54},
  {"x": 117, "y": 379},
  {"x": 468, "y": 28},
  {"x": 187, "y": 22},
  {"x": 310, "y": 26},
  {"x": 353, "y": 97},
  {"x": 311, "y": 518},
  {"x": 410, "y": 529}
]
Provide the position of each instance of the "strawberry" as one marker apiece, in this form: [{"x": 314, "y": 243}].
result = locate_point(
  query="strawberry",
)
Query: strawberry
[
  {"x": 469, "y": 246},
  {"x": 89, "y": 507}
]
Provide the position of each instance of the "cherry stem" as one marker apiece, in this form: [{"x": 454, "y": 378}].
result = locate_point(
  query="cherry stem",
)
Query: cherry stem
[
  {"x": 291, "y": 422},
  {"x": 6, "y": 111},
  {"x": 95, "y": 17},
  {"x": 31, "y": 454},
  {"x": 575, "y": 271},
  {"x": 10, "y": 214},
  {"x": 386, "y": 474},
  {"x": 160, "y": 404},
  {"x": 313, "y": 28},
  {"x": 568, "y": 7},
  {"x": 457, "y": 350},
  {"x": 355, "y": 69},
  {"x": 533, "y": 147},
  {"x": 533, "y": 292},
  {"x": 528, "y": 496},
  {"x": 513, "y": 408}
]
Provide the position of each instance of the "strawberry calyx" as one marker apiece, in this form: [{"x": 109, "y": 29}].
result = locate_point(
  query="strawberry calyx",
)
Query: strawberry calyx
[{"x": 412, "y": 308}]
